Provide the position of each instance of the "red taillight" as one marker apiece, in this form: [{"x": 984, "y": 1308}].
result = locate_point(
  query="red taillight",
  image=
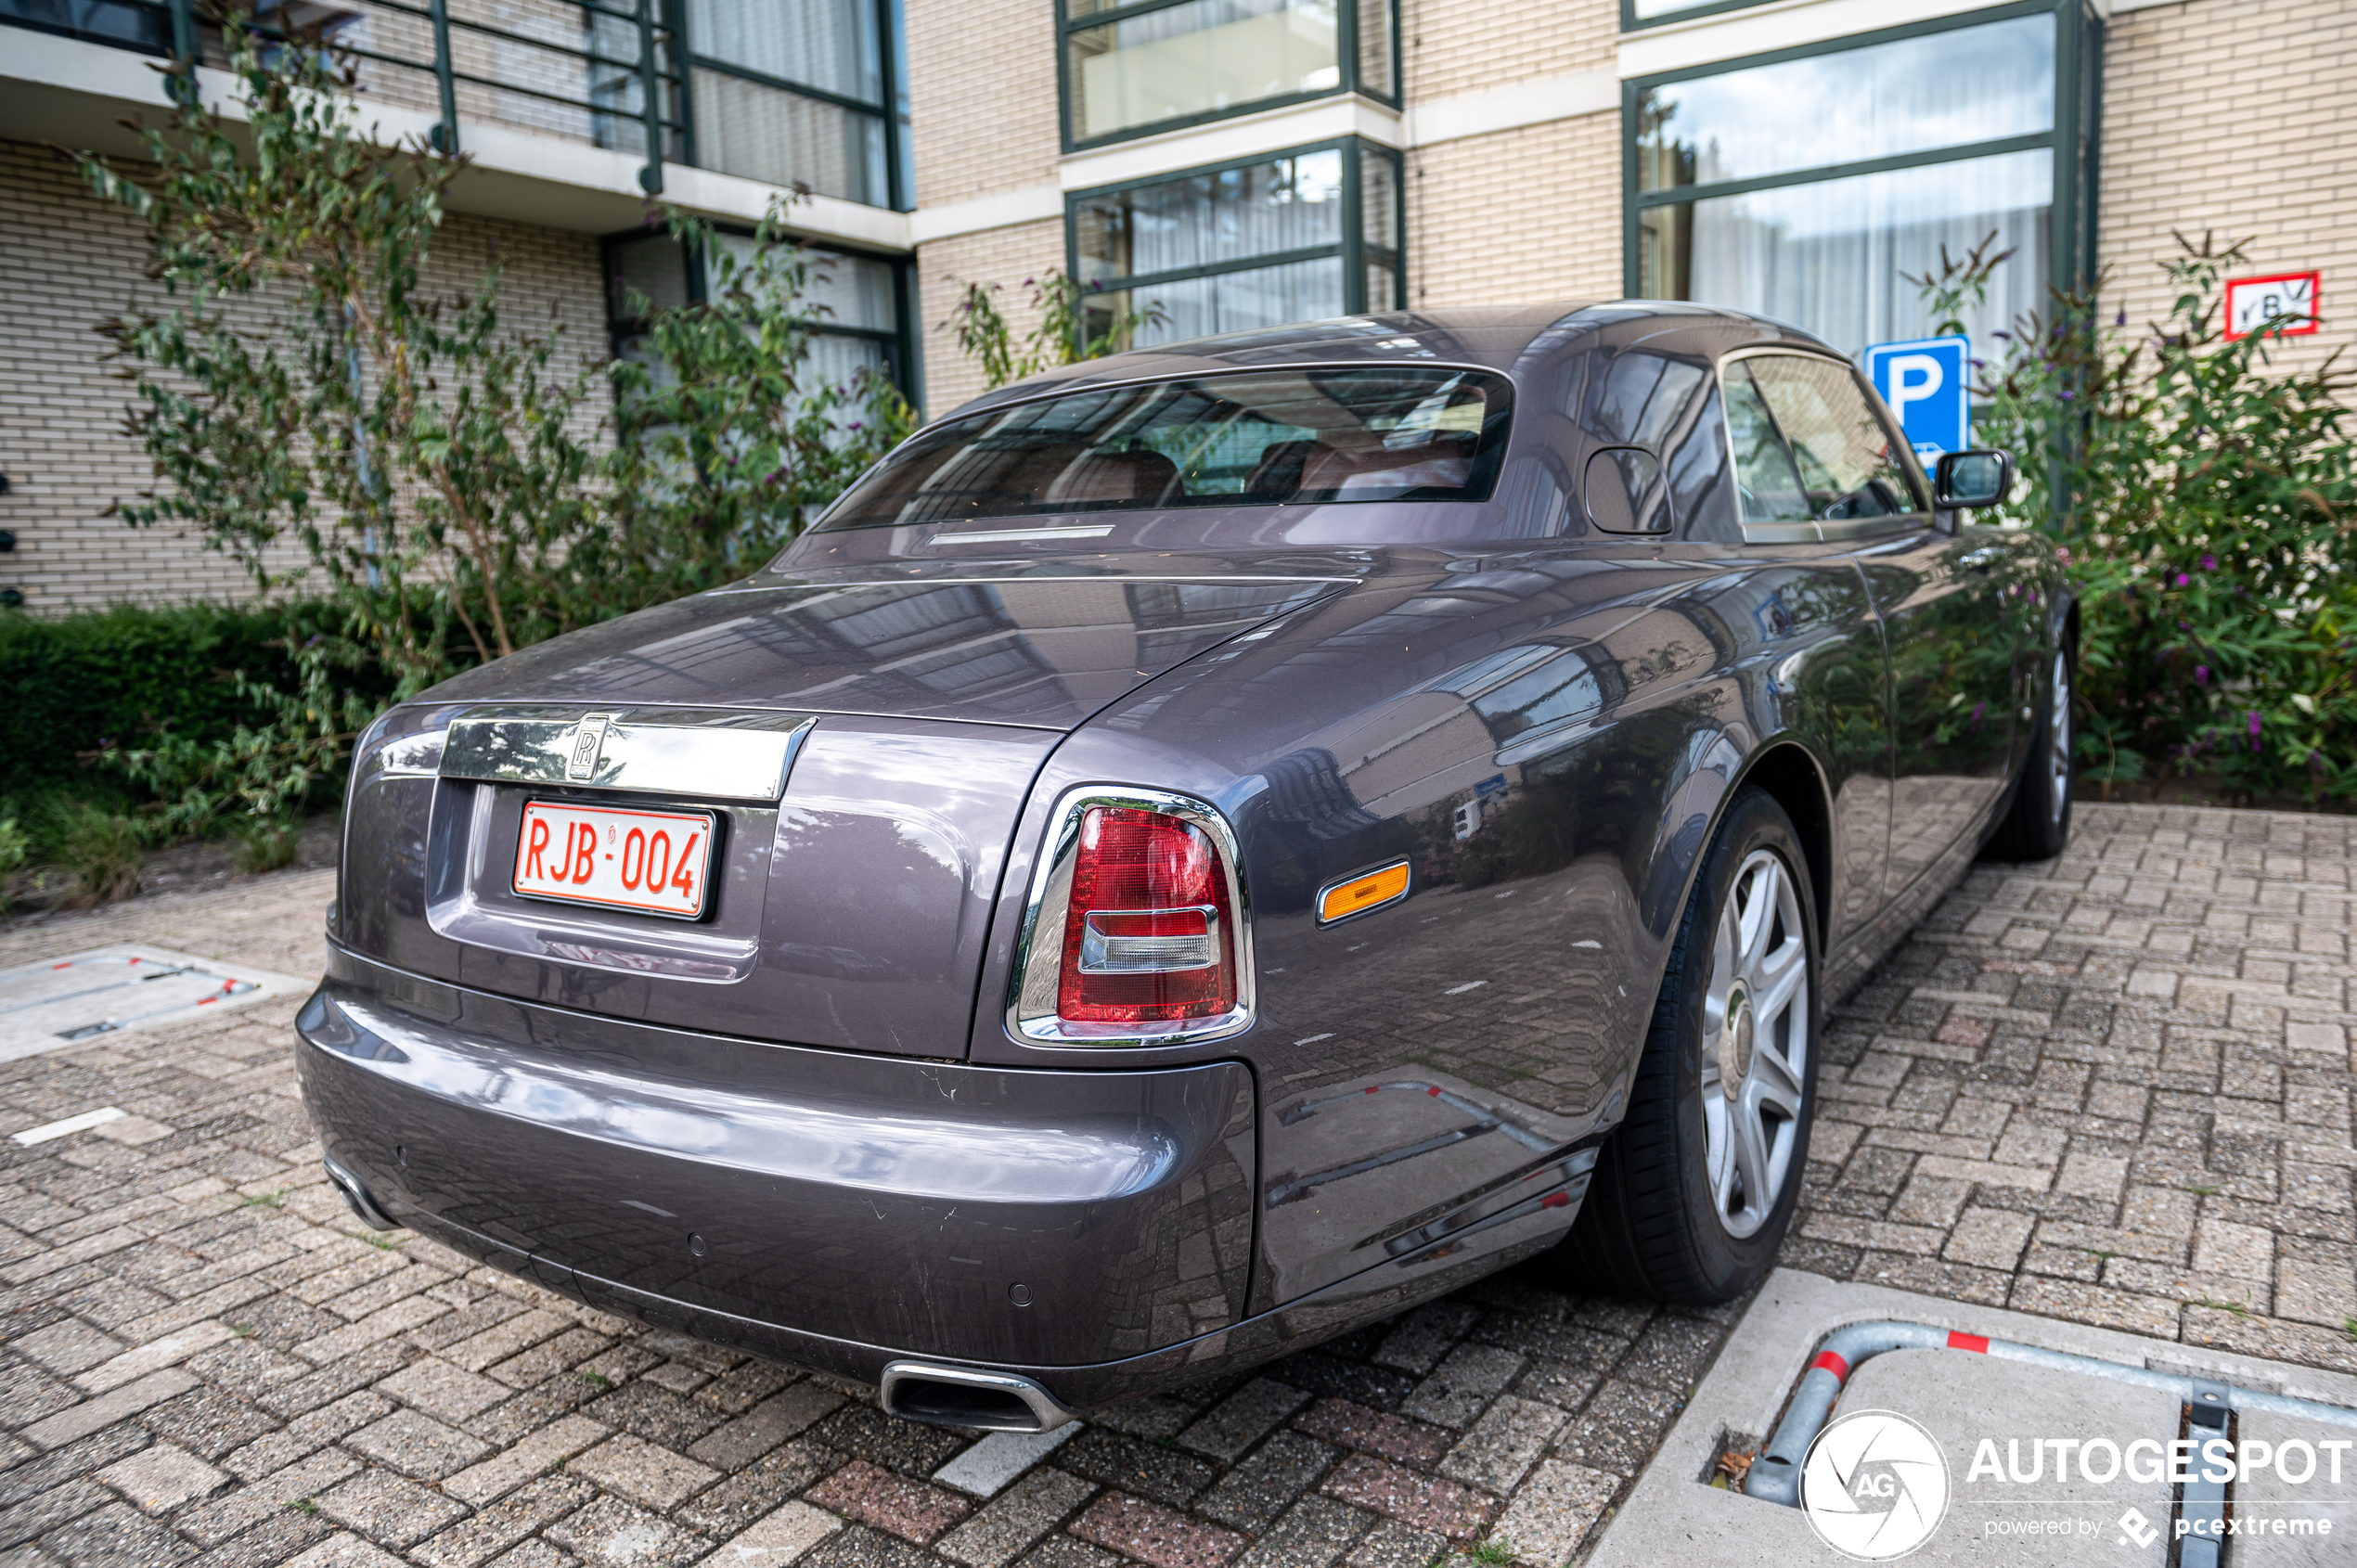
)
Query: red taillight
[{"x": 1149, "y": 937}]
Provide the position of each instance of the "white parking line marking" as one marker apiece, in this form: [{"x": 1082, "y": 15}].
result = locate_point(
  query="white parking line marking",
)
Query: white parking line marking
[
  {"x": 1313, "y": 1039},
  {"x": 82, "y": 1123},
  {"x": 994, "y": 1463},
  {"x": 1468, "y": 985}
]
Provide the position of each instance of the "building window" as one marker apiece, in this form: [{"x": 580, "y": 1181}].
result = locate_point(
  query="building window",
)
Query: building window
[
  {"x": 801, "y": 92},
  {"x": 866, "y": 301},
  {"x": 1297, "y": 236},
  {"x": 1129, "y": 70},
  {"x": 1802, "y": 186},
  {"x": 129, "y": 26}
]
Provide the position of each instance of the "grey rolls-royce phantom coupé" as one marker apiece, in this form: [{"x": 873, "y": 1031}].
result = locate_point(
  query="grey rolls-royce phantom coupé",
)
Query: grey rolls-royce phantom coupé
[{"x": 1199, "y": 850}]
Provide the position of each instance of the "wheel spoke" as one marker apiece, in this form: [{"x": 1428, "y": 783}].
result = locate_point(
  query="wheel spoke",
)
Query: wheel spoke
[
  {"x": 1779, "y": 974},
  {"x": 1719, "y": 1146},
  {"x": 1779, "y": 1088},
  {"x": 1759, "y": 914},
  {"x": 1751, "y": 1159}
]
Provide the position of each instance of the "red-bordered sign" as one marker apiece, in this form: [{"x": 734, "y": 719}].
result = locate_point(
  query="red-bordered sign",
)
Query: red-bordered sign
[{"x": 2251, "y": 303}]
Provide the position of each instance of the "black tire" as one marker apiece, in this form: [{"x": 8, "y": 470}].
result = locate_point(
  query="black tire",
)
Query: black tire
[
  {"x": 1650, "y": 1225},
  {"x": 2038, "y": 827}
]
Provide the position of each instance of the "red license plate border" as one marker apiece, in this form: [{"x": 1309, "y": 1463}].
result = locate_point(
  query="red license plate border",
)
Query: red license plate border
[{"x": 714, "y": 822}]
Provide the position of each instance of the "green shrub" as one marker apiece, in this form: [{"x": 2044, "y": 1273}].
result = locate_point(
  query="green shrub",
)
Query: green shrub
[
  {"x": 16, "y": 848},
  {"x": 265, "y": 845},
  {"x": 77, "y": 684},
  {"x": 101, "y": 851},
  {"x": 431, "y": 459},
  {"x": 2203, "y": 503}
]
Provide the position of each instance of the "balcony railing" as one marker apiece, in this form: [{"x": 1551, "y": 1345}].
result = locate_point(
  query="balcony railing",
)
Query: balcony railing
[{"x": 623, "y": 74}]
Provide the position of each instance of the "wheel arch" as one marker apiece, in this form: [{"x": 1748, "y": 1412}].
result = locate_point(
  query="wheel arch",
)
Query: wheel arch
[{"x": 1793, "y": 778}]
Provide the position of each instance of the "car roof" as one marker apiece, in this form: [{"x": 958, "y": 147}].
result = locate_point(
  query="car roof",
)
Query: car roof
[{"x": 1517, "y": 339}]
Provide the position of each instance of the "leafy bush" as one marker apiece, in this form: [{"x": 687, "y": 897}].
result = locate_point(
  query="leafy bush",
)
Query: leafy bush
[
  {"x": 1068, "y": 331},
  {"x": 100, "y": 851},
  {"x": 16, "y": 848},
  {"x": 264, "y": 845},
  {"x": 2206, "y": 508},
  {"x": 436, "y": 463},
  {"x": 78, "y": 683}
]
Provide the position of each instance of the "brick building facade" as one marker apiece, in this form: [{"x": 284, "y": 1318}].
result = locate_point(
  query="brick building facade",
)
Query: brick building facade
[{"x": 1196, "y": 157}]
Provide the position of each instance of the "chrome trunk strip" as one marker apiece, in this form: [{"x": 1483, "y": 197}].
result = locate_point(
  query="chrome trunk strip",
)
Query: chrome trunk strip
[{"x": 690, "y": 752}]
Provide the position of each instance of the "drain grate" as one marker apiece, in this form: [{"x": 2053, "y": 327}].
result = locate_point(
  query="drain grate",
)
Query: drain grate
[{"x": 67, "y": 1001}]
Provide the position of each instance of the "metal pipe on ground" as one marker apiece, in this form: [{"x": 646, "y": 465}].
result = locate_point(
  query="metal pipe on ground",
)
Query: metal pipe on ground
[{"x": 1775, "y": 1474}]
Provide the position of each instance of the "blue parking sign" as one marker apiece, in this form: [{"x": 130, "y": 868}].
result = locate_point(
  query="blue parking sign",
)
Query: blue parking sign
[{"x": 1927, "y": 383}]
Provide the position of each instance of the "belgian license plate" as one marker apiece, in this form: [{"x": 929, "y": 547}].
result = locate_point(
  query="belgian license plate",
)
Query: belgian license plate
[{"x": 618, "y": 857}]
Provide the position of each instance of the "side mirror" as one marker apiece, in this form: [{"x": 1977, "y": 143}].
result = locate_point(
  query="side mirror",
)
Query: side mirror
[{"x": 1973, "y": 479}]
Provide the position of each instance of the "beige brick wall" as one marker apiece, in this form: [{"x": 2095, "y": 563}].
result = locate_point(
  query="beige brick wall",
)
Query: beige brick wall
[
  {"x": 69, "y": 260},
  {"x": 1004, "y": 256},
  {"x": 981, "y": 97},
  {"x": 1465, "y": 45},
  {"x": 1517, "y": 217},
  {"x": 2233, "y": 116}
]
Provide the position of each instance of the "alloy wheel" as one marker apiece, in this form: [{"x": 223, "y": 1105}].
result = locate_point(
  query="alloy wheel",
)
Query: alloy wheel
[
  {"x": 2058, "y": 738},
  {"x": 1756, "y": 1027}
]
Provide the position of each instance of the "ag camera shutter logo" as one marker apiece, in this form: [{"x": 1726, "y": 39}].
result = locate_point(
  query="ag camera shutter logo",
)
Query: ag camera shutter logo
[{"x": 1874, "y": 1486}]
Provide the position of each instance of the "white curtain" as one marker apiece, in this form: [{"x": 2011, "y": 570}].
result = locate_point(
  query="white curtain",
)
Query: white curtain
[{"x": 1829, "y": 256}]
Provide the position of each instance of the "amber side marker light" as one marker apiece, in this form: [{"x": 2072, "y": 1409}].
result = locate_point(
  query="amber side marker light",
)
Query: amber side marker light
[{"x": 1368, "y": 890}]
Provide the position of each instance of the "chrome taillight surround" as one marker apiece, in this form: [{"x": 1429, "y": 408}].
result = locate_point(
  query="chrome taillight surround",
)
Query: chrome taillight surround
[{"x": 1031, "y": 995}]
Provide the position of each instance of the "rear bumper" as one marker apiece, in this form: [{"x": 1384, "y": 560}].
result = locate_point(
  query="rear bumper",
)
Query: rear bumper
[{"x": 829, "y": 1209}]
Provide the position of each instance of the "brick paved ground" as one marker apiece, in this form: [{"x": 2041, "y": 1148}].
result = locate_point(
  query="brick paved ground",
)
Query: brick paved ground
[{"x": 2114, "y": 1090}]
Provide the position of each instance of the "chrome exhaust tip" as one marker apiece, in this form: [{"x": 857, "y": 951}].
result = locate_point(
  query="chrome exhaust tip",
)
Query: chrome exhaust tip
[
  {"x": 356, "y": 1197},
  {"x": 968, "y": 1397}
]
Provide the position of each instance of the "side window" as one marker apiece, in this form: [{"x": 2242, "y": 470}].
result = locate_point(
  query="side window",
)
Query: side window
[
  {"x": 1766, "y": 481},
  {"x": 1844, "y": 458}
]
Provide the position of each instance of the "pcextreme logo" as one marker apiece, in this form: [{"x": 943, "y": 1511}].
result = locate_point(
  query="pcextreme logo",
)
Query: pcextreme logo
[{"x": 1874, "y": 1486}]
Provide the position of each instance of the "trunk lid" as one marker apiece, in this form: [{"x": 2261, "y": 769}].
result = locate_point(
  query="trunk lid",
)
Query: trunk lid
[
  {"x": 847, "y": 908},
  {"x": 1035, "y": 651}
]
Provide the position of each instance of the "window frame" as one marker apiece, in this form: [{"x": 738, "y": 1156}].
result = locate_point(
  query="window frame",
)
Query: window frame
[
  {"x": 1351, "y": 248},
  {"x": 2074, "y": 139},
  {"x": 1346, "y": 21},
  {"x": 1631, "y": 22},
  {"x": 901, "y": 365},
  {"x": 1819, "y": 530}
]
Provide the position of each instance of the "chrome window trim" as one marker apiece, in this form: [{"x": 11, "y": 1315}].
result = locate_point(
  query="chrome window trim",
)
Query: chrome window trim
[
  {"x": 693, "y": 752},
  {"x": 1037, "y": 975},
  {"x": 1818, "y": 531}
]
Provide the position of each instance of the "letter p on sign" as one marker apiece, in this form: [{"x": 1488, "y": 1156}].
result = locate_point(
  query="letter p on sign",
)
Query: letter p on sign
[{"x": 1927, "y": 383}]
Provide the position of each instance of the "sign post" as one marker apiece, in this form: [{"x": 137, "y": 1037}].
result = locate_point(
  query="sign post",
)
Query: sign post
[{"x": 1927, "y": 383}]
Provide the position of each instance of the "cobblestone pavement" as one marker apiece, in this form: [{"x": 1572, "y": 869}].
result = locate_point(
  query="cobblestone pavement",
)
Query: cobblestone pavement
[{"x": 2114, "y": 1088}]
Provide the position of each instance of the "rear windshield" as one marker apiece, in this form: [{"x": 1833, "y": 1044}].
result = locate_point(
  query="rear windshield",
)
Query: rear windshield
[{"x": 1258, "y": 439}]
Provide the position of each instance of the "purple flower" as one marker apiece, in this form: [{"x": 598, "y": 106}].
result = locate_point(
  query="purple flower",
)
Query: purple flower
[
  {"x": 2201, "y": 674},
  {"x": 2254, "y": 729},
  {"x": 2006, "y": 336},
  {"x": 2120, "y": 320},
  {"x": 2182, "y": 579},
  {"x": 2209, "y": 563},
  {"x": 1979, "y": 709}
]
